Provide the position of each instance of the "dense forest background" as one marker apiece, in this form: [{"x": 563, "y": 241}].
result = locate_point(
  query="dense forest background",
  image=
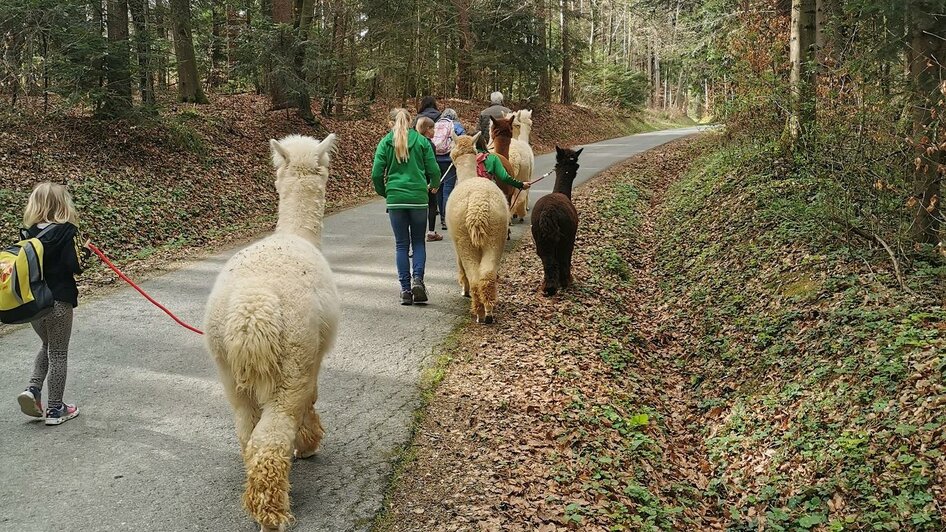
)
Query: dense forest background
[{"x": 851, "y": 90}]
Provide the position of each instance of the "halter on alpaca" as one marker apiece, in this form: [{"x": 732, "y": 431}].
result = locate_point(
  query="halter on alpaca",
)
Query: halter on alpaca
[
  {"x": 271, "y": 317},
  {"x": 555, "y": 224}
]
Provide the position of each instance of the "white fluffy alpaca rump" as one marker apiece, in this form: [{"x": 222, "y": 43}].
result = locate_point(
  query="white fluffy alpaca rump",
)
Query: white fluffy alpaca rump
[
  {"x": 477, "y": 219},
  {"x": 271, "y": 317}
]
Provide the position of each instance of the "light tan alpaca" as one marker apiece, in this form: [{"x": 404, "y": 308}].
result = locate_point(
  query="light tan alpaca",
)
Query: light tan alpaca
[
  {"x": 477, "y": 218},
  {"x": 271, "y": 317},
  {"x": 522, "y": 159}
]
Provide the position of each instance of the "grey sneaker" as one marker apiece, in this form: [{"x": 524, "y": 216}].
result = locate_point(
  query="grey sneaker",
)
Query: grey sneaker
[
  {"x": 419, "y": 290},
  {"x": 407, "y": 298},
  {"x": 30, "y": 402}
]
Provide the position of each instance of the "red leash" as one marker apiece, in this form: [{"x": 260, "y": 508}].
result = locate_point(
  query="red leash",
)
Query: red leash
[{"x": 125, "y": 278}]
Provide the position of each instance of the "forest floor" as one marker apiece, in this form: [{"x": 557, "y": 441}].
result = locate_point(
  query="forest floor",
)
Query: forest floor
[
  {"x": 722, "y": 362},
  {"x": 194, "y": 179}
]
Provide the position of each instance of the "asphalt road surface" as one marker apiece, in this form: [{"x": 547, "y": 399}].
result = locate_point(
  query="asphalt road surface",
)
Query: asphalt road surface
[{"x": 154, "y": 447}]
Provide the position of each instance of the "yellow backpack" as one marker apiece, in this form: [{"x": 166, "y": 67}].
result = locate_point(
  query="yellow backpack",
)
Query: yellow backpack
[{"x": 24, "y": 295}]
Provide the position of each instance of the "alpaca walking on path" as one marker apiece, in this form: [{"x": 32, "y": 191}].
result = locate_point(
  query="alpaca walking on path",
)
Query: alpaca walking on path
[
  {"x": 271, "y": 318},
  {"x": 520, "y": 158},
  {"x": 555, "y": 224},
  {"x": 477, "y": 219}
]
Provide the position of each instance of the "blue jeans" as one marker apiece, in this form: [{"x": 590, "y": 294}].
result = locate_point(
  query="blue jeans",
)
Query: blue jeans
[
  {"x": 447, "y": 183},
  {"x": 409, "y": 226}
]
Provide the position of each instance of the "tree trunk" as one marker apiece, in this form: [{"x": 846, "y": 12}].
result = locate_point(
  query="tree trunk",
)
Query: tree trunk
[
  {"x": 303, "y": 102},
  {"x": 188, "y": 84},
  {"x": 464, "y": 68},
  {"x": 545, "y": 85},
  {"x": 218, "y": 24},
  {"x": 161, "y": 29},
  {"x": 279, "y": 74},
  {"x": 117, "y": 100},
  {"x": 566, "y": 56},
  {"x": 340, "y": 31},
  {"x": 143, "y": 38},
  {"x": 928, "y": 50},
  {"x": 802, "y": 80}
]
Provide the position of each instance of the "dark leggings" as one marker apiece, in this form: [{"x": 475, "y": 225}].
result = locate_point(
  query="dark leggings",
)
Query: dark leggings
[
  {"x": 432, "y": 203},
  {"x": 54, "y": 329}
]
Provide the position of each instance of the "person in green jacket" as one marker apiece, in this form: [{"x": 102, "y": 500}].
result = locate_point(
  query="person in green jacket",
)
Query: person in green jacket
[
  {"x": 404, "y": 170},
  {"x": 495, "y": 168}
]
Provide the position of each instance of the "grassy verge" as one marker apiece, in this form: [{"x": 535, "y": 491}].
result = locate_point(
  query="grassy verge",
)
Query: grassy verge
[{"x": 821, "y": 381}]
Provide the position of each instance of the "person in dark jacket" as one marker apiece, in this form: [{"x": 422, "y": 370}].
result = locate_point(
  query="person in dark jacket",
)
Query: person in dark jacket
[
  {"x": 427, "y": 107},
  {"x": 51, "y": 216},
  {"x": 495, "y": 110},
  {"x": 447, "y": 170}
]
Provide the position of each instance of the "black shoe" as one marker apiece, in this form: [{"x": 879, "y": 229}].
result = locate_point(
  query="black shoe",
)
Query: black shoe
[
  {"x": 443, "y": 227},
  {"x": 418, "y": 290},
  {"x": 407, "y": 298}
]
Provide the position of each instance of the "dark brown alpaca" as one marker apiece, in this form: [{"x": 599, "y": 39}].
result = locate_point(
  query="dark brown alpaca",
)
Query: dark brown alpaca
[
  {"x": 555, "y": 223},
  {"x": 501, "y": 132}
]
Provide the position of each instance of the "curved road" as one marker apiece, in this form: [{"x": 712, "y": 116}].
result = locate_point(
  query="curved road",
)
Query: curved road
[{"x": 154, "y": 448}]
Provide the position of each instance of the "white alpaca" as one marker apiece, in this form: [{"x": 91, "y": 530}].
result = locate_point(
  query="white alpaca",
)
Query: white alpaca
[
  {"x": 477, "y": 218},
  {"x": 522, "y": 158},
  {"x": 271, "y": 317}
]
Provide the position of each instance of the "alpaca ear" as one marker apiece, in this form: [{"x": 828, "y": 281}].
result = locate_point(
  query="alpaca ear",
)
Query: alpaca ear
[
  {"x": 558, "y": 152},
  {"x": 326, "y": 148},
  {"x": 577, "y": 153},
  {"x": 476, "y": 137},
  {"x": 492, "y": 120},
  {"x": 280, "y": 156}
]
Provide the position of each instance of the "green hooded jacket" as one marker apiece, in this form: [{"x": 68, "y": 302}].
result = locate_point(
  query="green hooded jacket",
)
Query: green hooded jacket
[{"x": 404, "y": 185}]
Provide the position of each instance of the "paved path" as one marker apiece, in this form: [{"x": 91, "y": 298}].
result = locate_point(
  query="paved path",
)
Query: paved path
[{"x": 154, "y": 448}]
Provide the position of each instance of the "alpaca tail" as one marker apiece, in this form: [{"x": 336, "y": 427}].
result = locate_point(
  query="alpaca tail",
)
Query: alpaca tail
[
  {"x": 477, "y": 222},
  {"x": 268, "y": 459},
  {"x": 253, "y": 338}
]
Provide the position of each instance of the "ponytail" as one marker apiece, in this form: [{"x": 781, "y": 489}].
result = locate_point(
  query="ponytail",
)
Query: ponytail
[{"x": 401, "y": 120}]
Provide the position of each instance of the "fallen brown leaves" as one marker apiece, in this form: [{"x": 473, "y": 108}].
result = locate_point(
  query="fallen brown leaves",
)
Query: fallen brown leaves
[{"x": 571, "y": 412}]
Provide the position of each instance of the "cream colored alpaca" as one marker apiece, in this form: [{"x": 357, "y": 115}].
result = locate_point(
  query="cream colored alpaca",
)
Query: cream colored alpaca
[
  {"x": 477, "y": 218},
  {"x": 522, "y": 158},
  {"x": 271, "y": 317}
]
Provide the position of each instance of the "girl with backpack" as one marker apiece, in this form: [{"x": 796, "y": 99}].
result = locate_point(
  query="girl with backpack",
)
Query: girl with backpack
[
  {"x": 443, "y": 143},
  {"x": 404, "y": 170},
  {"x": 51, "y": 216},
  {"x": 489, "y": 165}
]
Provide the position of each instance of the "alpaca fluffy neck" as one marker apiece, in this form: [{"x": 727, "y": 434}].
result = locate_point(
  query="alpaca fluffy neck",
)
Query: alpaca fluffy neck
[
  {"x": 301, "y": 209},
  {"x": 524, "y": 131},
  {"x": 501, "y": 145},
  {"x": 564, "y": 178},
  {"x": 466, "y": 166}
]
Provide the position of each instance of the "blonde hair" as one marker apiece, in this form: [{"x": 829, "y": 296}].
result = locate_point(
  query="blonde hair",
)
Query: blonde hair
[
  {"x": 401, "y": 120},
  {"x": 424, "y": 126},
  {"x": 51, "y": 203}
]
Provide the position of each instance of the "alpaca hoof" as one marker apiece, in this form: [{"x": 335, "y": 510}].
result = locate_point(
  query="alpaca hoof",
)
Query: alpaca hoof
[
  {"x": 277, "y": 528},
  {"x": 488, "y": 320},
  {"x": 303, "y": 455}
]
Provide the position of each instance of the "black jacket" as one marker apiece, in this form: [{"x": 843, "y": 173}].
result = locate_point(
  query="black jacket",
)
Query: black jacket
[
  {"x": 63, "y": 258},
  {"x": 431, "y": 113}
]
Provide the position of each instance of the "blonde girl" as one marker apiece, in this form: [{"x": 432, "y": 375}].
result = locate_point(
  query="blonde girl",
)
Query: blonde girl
[
  {"x": 51, "y": 216},
  {"x": 403, "y": 172}
]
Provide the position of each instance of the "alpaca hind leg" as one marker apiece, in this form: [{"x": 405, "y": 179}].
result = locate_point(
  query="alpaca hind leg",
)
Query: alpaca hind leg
[
  {"x": 566, "y": 266},
  {"x": 310, "y": 433},
  {"x": 461, "y": 277},
  {"x": 268, "y": 457},
  {"x": 246, "y": 412},
  {"x": 487, "y": 282}
]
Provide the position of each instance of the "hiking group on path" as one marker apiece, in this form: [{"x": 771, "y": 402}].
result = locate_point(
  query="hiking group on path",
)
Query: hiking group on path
[{"x": 412, "y": 170}]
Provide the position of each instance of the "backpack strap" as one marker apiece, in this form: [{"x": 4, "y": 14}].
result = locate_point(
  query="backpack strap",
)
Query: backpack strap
[{"x": 481, "y": 166}]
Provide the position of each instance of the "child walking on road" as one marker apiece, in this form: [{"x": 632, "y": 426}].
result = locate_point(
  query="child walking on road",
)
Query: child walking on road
[
  {"x": 425, "y": 126},
  {"x": 51, "y": 216}
]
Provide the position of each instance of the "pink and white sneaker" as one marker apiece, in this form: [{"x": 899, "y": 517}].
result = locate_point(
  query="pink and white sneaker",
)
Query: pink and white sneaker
[
  {"x": 56, "y": 416},
  {"x": 31, "y": 402}
]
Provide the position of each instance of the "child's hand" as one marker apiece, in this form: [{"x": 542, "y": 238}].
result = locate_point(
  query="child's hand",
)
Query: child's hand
[
  {"x": 526, "y": 185},
  {"x": 432, "y": 190},
  {"x": 88, "y": 242}
]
